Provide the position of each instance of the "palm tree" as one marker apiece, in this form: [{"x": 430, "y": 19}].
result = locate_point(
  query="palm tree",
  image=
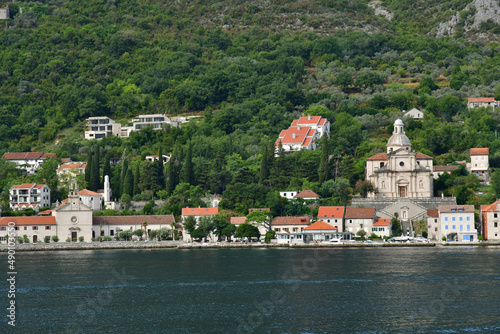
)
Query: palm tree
[
  {"x": 174, "y": 230},
  {"x": 145, "y": 224}
]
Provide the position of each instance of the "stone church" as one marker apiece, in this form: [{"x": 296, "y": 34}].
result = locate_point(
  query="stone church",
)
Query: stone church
[
  {"x": 400, "y": 172},
  {"x": 403, "y": 180}
]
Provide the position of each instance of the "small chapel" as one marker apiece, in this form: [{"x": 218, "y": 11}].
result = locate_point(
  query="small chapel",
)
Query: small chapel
[{"x": 401, "y": 172}]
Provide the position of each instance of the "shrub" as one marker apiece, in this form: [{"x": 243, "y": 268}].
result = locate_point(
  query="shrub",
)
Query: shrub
[
  {"x": 20, "y": 240},
  {"x": 81, "y": 239},
  {"x": 55, "y": 238},
  {"x": 26, "y": 239},
  {"x": 269, "y": 235},
  {"x": 46, "y": 239},
  {"x": 480, "y": 238},
  {"x": 443, "y": 238},
  {"x": 74, "y": 240},
  {"x": 68, "y": 240}
]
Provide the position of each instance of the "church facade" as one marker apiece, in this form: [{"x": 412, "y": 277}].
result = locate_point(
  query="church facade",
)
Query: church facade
[{"x": 401, "y": 172}]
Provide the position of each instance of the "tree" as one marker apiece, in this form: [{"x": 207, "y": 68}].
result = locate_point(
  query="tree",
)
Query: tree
[
  {"x": 145, "y": 225},
  {"x": 362, "y": 234},
  {"x": 344, "y": 79},
  {"x": 187, "y": 169},
  {"x": 190, "y": 224},
  {"x": 136, "y": 189},
  {"x": 364, "y": 187},
  {"x": 106, "y": 169},
  {"x": 324, "y": 165},
  {"x": 123, "y": 172},
  {"x": 128, "y": 183},
  {"x": 260, "y": 218},
  {"x": 205, "y": 226},
  {"x": 95, "y": 178},
  {"x": 266, "y": 163},
  {"x": 247, "y": 231},
  {"x": 495, "y": 183}
]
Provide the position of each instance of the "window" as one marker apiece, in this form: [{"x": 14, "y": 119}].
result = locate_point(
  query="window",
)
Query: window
[
  {"x": 47, "y": 227},
  {"x": 435, "y": 220},
  {"x": 468, "y": 218},
  {"x": 2, "y": 228},
  {"x": 445, "y": 219},
  {"x": 16, "y": 228},
  {"x": 35, "y": 227},
  {"x": 26, "y": 227},
  {"x": 401, "y": 163},
  {"x": 446, "y": 227},
  {"x": 495, "y": 215},
  {"x": 468, "y": 227},
  {"x": 435, "y": 229},
  {"x": 461, "y": 228},
  {"x": 453, "y": 227},
  {"x": 495, "y": 224},
  {"x": 461, "y": 218},
  {"x": 453, "y": 218},
  {"x": 2, "y": 238},
  {"x": 102, "y": 233},
  {"x": 111, "y": 232}
]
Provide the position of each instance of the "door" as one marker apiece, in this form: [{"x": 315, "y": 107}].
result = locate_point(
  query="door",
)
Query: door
[
  {"x": 73, "y": 236},
  {"x": 402, "y": 191},
  {"x": 35, "y": 238}
]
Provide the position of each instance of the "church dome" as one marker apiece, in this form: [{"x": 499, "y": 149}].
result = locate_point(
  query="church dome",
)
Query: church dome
[{"x": 398, "y": 139}]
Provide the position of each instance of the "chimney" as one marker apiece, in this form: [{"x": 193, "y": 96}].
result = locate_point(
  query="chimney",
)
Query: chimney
[
  {"x": 298, "y": 127},
  {"x": 293, "y": 135},
  {"x": 309, "y": 117}
]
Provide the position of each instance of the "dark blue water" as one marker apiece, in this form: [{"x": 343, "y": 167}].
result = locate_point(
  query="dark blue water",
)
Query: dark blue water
[{"x": 372, "y": 290}]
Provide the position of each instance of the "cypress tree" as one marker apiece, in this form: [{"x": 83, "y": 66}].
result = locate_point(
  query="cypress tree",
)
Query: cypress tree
[
  {"x": 266, "y": 163},
  {"x": 123, "y": 174},
  {"x": 160, "y": 170},
  {"x": 106, "y": 170},
  {"x": 95, "y": 177},
  {"x": 128, "y": 183},
  {"x": 88, "y": 170},
  {"x": 136, "y": 180},
  {"x": 187, "y": 172},
  {"x": 324, "y": 167}
]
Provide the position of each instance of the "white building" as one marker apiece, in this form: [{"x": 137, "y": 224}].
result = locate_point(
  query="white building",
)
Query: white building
[
  {"x": 101, "y": 126},
  {"x": 155, "y": 121},
  {"x": 321, "y": 125},
  {"x": 333, "y": 215},
  {"x": 36, "y": 228},
  {"x": 289, "y": 194},
  {"x": 29, "y": 196},
  {"x": 307, "y": 195},
  {"x": 400, "y": 172},
  {"x": 439, "y": 170},
  {"x": 4, "y": 13},
  {"x": 382, "y": 227},
  {"x": 477, "y": 102},
  {"x": 414, "y": 113},
  {"x": 91, "y": 199},
  {"x": 30, "y": 161},
  {"x": 112, "y": 225},
  {"x": 197, "y": 213},
  {"x": 457, "y": 223},
  {"x": 357, "y": 219},
  {"x": 302, "y": 134},
  {"x": 152, "y": 158},
  {"x": 479, "y": 163}
]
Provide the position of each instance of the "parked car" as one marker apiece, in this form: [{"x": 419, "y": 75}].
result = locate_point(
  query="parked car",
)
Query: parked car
[{"x": 420, "y": 239}]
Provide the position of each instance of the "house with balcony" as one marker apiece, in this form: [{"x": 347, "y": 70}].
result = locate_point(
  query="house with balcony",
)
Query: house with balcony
[
  {"x": 101, "y": 126},
  {"x": 155, "y": 121},
  {"x": 29, "y": 196},
  {"x": 302, "y": 134},
  {"x": 457, "y": 223},
  {"x": 290, "y": 229},
  {"x": 197, "y": 213},
  {"x": 29, "y": 161},
  {"x": 321, "y": 125},
  {"x": 479, "y": 163}
]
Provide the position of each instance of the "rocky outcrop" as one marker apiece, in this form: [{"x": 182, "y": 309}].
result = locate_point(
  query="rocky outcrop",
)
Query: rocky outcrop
[{"x": 381, "y": 10}]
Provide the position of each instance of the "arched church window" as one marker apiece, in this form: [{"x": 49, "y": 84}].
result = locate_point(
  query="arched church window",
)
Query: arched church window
[
  {"x": 383, "y": 184},
  {"x": 381, "y": 164}
]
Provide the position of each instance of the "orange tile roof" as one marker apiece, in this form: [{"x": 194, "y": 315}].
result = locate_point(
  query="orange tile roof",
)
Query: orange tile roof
[
  {"x": 306, "y": 120},
  {"x": 479, "y": 151},
  {"x": 432, "y": 212},
  {"x": 378, "y": 156},
  {"x": 49, "y": 155},
  {"x": 30, "y": 220},
  {"x": 320, "y": 225},
  {"x": 481, "y": 99},
  {"x": 423, "y": 156},
  {"x": 490, "y": 207},
  {"x": 307, "y": 194},
  {"x": 382, "y": 222},
  {"x": 331, "y": 212},
  {"x": 23, "y": 186},
  {"x": 290, "y": 221},
  {"x": 238, "y": 220},
  {"x": 86, "y": 192},
  {"x": 199, "y": 211},
  {"x": 45, "y": 213},
  {"x": 359, "y": 213}
]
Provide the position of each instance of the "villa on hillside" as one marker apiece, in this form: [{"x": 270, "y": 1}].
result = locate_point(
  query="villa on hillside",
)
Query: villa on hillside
[
  {"x": 477, "y": 102},
  {"x": 29, "y": 161},
  {"x": 302, "y": 134},
  {"x": 29, "y": 196}
]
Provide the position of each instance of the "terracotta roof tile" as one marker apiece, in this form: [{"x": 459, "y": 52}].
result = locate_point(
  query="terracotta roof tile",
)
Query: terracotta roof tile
[
  {"x": 290, "y": 221},
  {"x": 378, "y": 156},
  {"x": 22, "y": 155},
  {"x": 307, "y": 194},
  {"x": 481, "y": 99},
  {"x": 86, "y": 192},
  {"x": 320, "y": 225},
  {"x": 238, "y": 220},
  {"x": 31, "y": 220},
  {"x": 382, "y": 222},
  {"x": 331, "y": 212},
  {"x": 432, "y": 212},
  {"x": 479, "y": 151},
  {"x": 199, "y": 211},
  {"x": 359, "y": 213},
  {"x": 423, "y": 156},
  {"x": 133, "y": 220}
]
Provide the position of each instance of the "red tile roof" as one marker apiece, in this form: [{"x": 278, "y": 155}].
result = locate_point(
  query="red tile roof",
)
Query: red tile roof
[
  {"x": 382, "y": 222},
  {"x": 481, "y": 99},
  {"x": 238, "y": 220},
  {"x": 479, "y": 151},
  {"x": 133, "y": 220},
  {"x": 86, "y": 192},
  {"x": 331, "y": 212},
  {"x": 45, "y": 213},
  {"x": 359, "y": 213},
  {"x": 320, "y": 225},
  {"x": 378, "y": 156},
  {"x": 490, "y": 207},
  {"x": 24, "y": 186},
  {"x": 307, "y": 194},
  {"x": 22, "y": 155},
  {"x": 31, "y": 220},
  {"x": 49, "y": 155},
  {"x": 199, "y": 211},
  {"x": 423, "y": 156},
  {"x": 290, "y": 221},
  {"x": 432, "y": 212}
]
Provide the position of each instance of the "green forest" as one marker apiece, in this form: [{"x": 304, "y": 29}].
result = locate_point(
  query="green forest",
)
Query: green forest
[{"x": 248, "y": 68}]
